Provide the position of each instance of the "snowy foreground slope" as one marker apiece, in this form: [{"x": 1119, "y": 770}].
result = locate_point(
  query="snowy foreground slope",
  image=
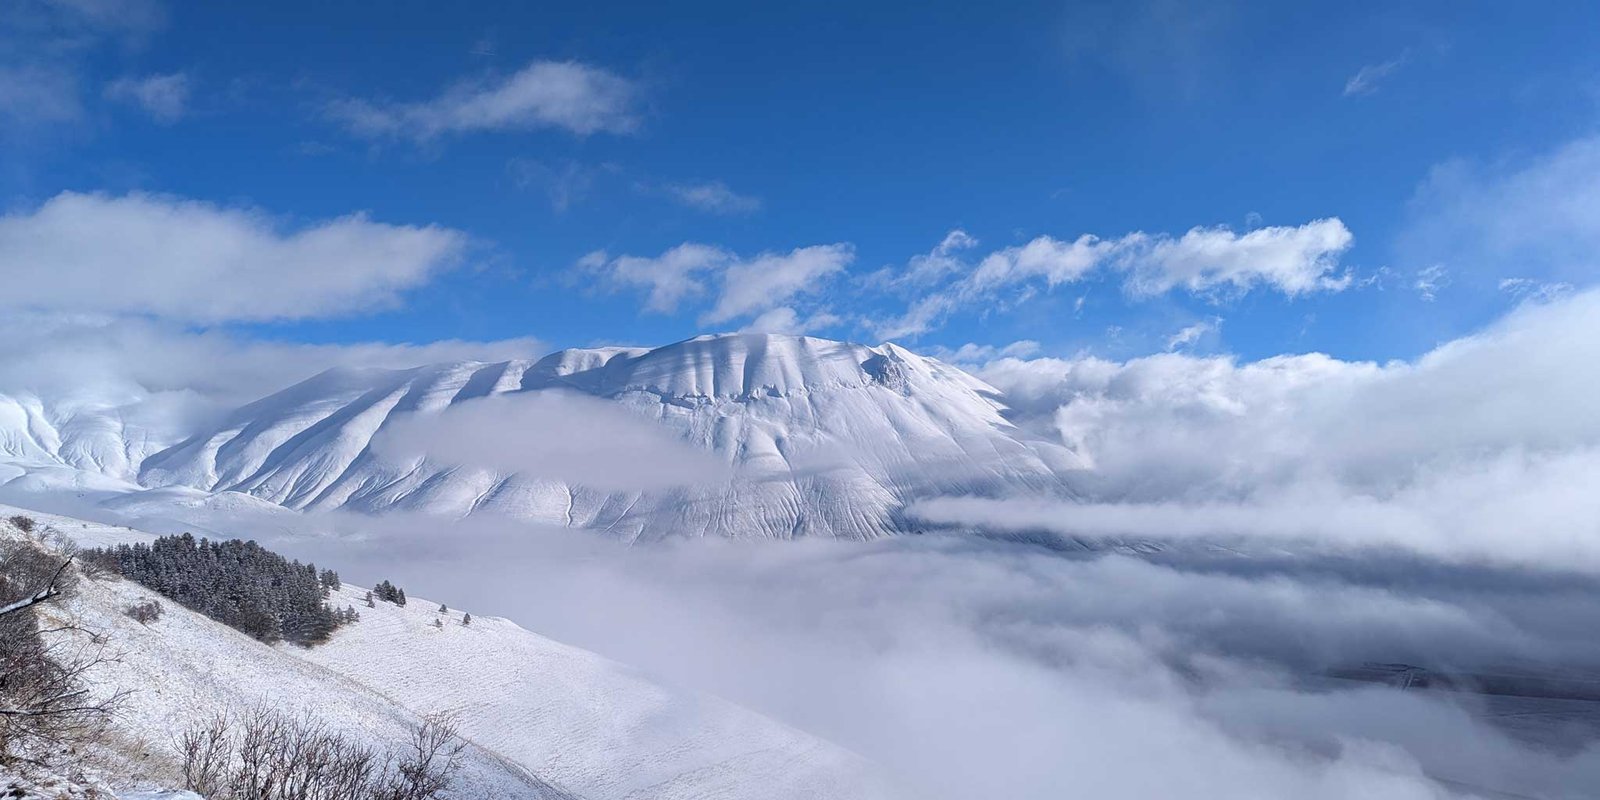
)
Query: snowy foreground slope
[
  {"x": 545, "y": 720},
  {"x": 588, "y": 724},
  {"x": 820, "y": 438},
  {"x": 186, "y": 667}
]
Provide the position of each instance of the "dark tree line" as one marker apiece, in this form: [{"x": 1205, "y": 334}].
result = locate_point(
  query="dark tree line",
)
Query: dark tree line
[{"x": 237, "y": 583}]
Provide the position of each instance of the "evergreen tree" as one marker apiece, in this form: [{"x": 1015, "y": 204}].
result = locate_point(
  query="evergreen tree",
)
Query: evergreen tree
[
  {"x": 438, "y": 623},
  {"x": 389, "y": 593},
  {"x": 466, "y": 619},
  {"x": 238, "y": 583},
  {"x": 370, "y": 604},
  {"x": 443, "y": 609}
]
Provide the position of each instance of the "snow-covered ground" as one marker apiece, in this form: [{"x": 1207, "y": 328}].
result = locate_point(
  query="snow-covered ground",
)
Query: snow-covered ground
[
  {"x": 185, "y": 667},
  {"x": 594, "y": 726},
  {"x": 545, "y": 720}
]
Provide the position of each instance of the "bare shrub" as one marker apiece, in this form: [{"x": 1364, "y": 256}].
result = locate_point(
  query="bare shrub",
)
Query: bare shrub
[
  {"x": 45, "y": 705},
  {"x": 425, "y": 771},
  {"x": 21, "y": 523},
  {"x": 144, "y": 612},
  {"x": 205, "y": 751},
  {"x": 264, "y": 754}
]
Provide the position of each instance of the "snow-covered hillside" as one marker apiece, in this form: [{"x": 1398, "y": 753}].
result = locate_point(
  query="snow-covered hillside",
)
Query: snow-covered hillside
[
  {"x": 591, "y": 725},
  {"x": 545, "y": 720},
  {"x": 821, "y": 437}
]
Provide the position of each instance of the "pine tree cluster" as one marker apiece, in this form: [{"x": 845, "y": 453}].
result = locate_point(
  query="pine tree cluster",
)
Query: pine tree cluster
[
  {"x": 237, "y": 583},
  {"x": 389, "y": 593}
]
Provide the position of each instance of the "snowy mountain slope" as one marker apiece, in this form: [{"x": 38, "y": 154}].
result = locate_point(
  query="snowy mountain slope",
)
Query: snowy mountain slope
[
  {"x": 591, "y": 725},
  {"x": 825, "y": 438},
  {"x": 185, "y": 667},
  {"x": 531, "y": 706},
  {"x": 93, "y": 437}
]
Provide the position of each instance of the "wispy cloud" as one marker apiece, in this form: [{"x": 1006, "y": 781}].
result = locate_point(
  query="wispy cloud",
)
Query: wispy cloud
[
  {"x": 565, "y": 183},
  {"x": 746, "y": 286},
  {"x": 770, "y": 279},
  {"x": 1541, "y": 214},
  {"x": 713, "y": 196},
  {"x": 569, "y": 95},
  {"x": 786, "y": 320},
  {"x": 1366, "y": 79},
  {"x": 668, "y": 279},
  {"x": 1192, "y": 334},
  {"x": 1294, "y": 260},
  {"x": 164, "y": 97},
  {"x": 1430, "y": 280},
  {"x": 971, "y": 353},
  {"x": 44, "y": 47}
]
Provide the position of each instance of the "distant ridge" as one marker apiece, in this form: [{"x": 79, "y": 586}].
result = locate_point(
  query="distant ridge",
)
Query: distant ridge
[{"x": 825, "y": 438}]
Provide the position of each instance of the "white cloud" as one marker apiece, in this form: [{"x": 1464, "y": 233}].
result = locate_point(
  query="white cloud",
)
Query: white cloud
[
  {"x": 1366, "y": 79},
  {"x": 1207, "y": 261},
  {"x": 44, "y": 45},
  {"x": 33, "y": 95},
  {"x": 972, "y": 354},
  {"x": 189, "y": 260},
  {"x": 972, "y": 665},
  {"x": 1044, "y": 257},
  {"x": 1479, "y": 450},
  {"x": 1520, "y": 511},
  {"x": 566, "y": 183},
  {"x": 577, "y": 97},
  {"x": 770, "y": 279},
  {"x": 671, "y": 277},
  {"x": 787, "y": 320},
  {"x": 1192, "y": 334},
  {"x": 1541, "y": 214},
  {"x": 1529, "y": 289},
  {"x": 924, "y": 315},
  {"x": 1430, "y": 280},
  {"x": 713, "y": 196},
  {"x": 746, "y": 287},
  {"x": 1293, "y": 260},
  {"x": 930, "y": 268},
  {"x": 163, "y": 97},
  {"x": 554, "y": 435}
]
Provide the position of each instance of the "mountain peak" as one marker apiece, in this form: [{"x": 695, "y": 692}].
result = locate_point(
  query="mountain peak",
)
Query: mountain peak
[{"x": 724, "y": 365}]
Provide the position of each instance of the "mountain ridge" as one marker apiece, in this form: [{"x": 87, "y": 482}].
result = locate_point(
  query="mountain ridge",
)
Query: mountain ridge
[{"x": 823, "y": 437}]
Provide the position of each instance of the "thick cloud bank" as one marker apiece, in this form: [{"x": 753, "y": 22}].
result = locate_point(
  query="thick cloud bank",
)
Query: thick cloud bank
[
  {"x": 973, "y": 668},
  {"x": 1486, "y": 448},
  {"x": 555, "y": 435}
]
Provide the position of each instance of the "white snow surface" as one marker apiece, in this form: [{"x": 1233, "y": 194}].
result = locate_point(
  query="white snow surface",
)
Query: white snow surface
[
  {"x": 595, "y": 727},
  {"x": 545, "y": 720},
  {"x": 185, "y": 668},
  {"x": 824, "y": 438}
]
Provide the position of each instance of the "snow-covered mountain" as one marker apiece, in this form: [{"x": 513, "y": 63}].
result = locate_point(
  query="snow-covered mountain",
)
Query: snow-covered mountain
[{"x": 821, "y": 437}]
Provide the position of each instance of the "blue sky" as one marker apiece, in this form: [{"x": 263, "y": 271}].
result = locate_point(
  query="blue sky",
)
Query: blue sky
[{"x": 872, "y": 129}]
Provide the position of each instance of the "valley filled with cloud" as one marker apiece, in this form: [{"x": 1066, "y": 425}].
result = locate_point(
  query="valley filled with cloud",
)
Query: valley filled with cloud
[{"x": 1111, "y": 401}]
